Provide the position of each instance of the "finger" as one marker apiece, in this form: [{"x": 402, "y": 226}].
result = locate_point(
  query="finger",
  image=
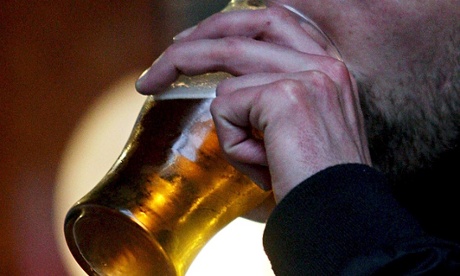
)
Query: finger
[
  {"x": 275, "y": 25},
  {"x": 231, "y": 85},
  {"x": 231, "y": 118},
  {"x": 242, "y": 149},
  {"x": 234, "y": 55}
]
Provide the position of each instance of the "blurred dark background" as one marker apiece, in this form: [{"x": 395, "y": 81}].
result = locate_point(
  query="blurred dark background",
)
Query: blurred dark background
[{"x": 56, "y": 58}]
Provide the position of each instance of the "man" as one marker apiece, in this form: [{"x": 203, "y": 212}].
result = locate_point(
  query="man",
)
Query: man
[{"x": 358, "y": 149}]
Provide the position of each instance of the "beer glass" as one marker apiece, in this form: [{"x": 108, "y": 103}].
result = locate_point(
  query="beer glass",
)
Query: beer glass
[{"x": 169, "y": 191}]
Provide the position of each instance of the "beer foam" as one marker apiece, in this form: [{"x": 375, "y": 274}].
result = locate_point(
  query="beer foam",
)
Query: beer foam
[{"x": 195, "y": 87}]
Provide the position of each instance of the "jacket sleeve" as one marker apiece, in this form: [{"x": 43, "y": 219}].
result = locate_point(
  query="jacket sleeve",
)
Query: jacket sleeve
[{"x": 345, "y": 221}]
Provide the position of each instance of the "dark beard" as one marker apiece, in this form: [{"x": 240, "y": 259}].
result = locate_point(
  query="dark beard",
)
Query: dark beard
[
  {"x": 414, "y": 137},
  {"x": 410, "y": 126}
]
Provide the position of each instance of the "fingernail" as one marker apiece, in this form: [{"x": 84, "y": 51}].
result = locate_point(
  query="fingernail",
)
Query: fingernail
[
  {"x": 184, "y": 33},
  {"x": 140, "y": 80}
]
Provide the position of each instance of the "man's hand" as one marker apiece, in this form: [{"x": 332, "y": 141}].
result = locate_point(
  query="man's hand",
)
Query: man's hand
[
  {"x": 309, "y": 122},
  {"x": 300, "y": 101}
]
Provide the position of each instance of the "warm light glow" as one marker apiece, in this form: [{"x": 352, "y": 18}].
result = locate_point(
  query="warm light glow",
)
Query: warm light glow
[{"x": 236, "y": 250}]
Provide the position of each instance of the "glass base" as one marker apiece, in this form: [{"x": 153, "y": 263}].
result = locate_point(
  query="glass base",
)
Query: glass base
[{"x": 108, "y": 243}]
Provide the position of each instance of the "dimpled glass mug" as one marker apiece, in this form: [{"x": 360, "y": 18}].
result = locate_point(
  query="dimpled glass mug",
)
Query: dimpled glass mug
[{"x": 170, "y": 190}]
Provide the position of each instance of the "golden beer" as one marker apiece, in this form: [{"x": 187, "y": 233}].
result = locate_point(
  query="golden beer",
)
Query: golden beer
[
  {"x": 169, "y": 191},
  {"x": 167, "y": 194}
]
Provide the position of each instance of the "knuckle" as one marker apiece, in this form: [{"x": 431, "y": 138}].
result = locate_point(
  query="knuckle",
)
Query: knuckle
[
  {"x": 171, "y": 50},
  {"x": 320, "y": 81},
  {"x": 319, "y": 87},
  {"x": 339, "y": 70},
  {"x": 174, "y": 55},
  {"x": 277, "y": 14},
  {"x": 232, "y": 47},
  {"x": 293, "y": 91},
  {"x": 233, "y": 44}
]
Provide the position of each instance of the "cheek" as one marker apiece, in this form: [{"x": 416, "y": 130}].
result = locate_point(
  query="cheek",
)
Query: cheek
[
  {"x": 360, "y": 38},
  {"x": 374, "y": 42},
  {"x": 374, "y": 37}
]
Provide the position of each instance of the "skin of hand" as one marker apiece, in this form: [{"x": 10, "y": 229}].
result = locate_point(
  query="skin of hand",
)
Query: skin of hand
[
  {"x": 308, "y": 121},
  {"x": 286, "y": 86}
]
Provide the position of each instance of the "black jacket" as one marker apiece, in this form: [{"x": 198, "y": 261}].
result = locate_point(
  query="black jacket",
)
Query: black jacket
[{"x": 349, "y": 220}]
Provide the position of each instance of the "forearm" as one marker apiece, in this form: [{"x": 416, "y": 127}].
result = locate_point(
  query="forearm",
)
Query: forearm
[{"x": 345, "y": 220}]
